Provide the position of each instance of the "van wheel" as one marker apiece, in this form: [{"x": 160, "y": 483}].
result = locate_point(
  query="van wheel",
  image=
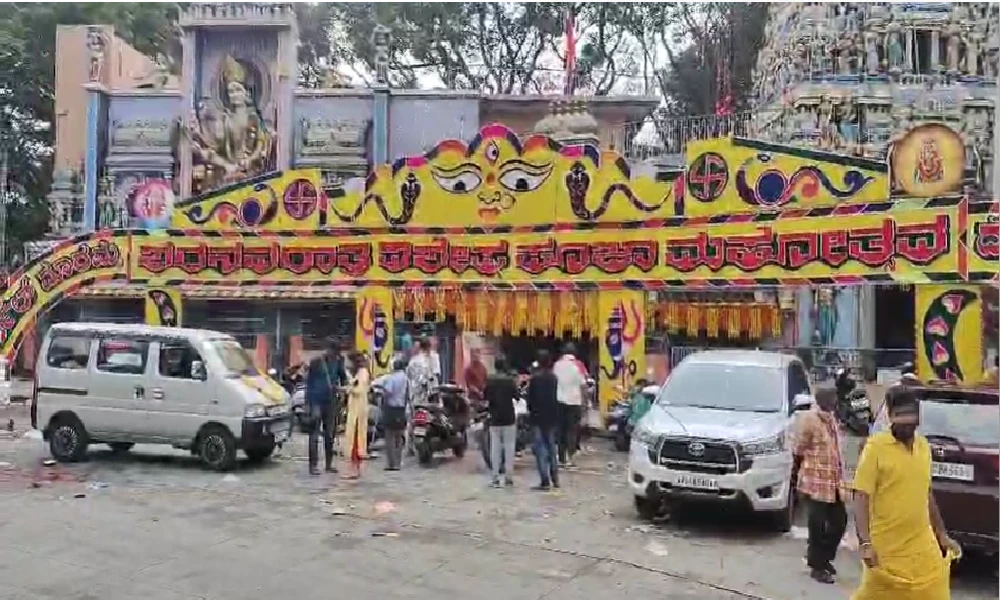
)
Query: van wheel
[
  {"x": 120, "y": 447},
  {"x": 646, "y": 508},
  {"x": 260, "y": 453},
  {"x": 217, "y": 448},
  {"x": 68, "y": 440}
]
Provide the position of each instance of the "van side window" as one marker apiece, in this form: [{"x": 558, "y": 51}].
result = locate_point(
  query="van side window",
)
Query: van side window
[
  {"x": 798, "y": 381},
  {"x": 122, "y": 356},
  {"x": 68, "y": 352},
  {"x": 176, "y": 359}
]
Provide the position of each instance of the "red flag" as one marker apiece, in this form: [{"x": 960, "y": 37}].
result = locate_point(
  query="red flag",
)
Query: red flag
[{"x": 570, "y": 62}]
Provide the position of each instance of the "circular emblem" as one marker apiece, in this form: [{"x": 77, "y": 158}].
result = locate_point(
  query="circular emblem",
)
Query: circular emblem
[
  {"x": 251, "y": 212},
  {"x": 152, "y": 203},
  {"x": 300, "y": 199},
  {"x": 938, "y": 451},
  {"x": 708, "y": 177},
  {"x": 696, "y": 449}
]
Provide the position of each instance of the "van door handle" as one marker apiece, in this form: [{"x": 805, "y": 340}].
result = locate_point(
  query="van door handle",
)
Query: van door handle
[
  {"x": 158, "y": 394},
  {"x": 139, "y": 393}
]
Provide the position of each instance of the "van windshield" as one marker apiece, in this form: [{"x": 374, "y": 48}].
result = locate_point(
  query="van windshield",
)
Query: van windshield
[{"x": 234, "y": 358}]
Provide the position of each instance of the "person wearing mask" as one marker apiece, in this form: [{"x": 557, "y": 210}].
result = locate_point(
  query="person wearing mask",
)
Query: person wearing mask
[
  {"x": 356, "y": 431},
  {"x": 500, "y": 392},
  {"x": 902, "y": 540},
  {"x": 475, "y": 376},
  {"x": 543, "y": 412},
  {"x": 821, "y": 480},
  {"x": 325, "y": 378},
  {"x": 571, "y": 392},
  {"x": 394, "y": 403}
]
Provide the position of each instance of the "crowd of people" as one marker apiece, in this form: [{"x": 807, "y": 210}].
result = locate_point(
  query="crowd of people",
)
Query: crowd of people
[{"x": 555, "y": 393}]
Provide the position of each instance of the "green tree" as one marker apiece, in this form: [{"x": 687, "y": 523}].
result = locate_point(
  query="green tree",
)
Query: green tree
[{"x": 27, "y": 89}]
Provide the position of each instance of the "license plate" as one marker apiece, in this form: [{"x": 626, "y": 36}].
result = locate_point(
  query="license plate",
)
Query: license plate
[
  {"x": 956, "y": 471},
  {"x": 419, "y": 431},
  {"x": 613, "y": 427},
  {"x": 697, "y": 482},
  {"x": 278, "y": 430}
]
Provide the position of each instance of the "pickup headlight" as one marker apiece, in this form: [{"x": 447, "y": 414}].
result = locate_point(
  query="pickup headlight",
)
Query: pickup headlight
[
  {"x": 771, "y": 445},
  {"x": 253, "y": 411},
  {"x": 644, "y": 437},
  {"x": 277, "y": 410}
]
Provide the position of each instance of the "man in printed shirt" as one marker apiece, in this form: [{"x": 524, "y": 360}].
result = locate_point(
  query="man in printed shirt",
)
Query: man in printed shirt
[{"x": 821, "y": 478}]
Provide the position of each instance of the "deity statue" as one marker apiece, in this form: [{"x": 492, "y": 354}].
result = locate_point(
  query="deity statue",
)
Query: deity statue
[
  {"x": 844, "y": 46},
  {"x": 95, "y": 50},
  {"x": 871, "y": 52},
  {"x": 232, "y": 144},
  {"x": 954, "y": 46},
  {"x": 894, "y": 51},
  {"x": 930, "y": 167},
  {"x": 973, "y": 45},
  {"x": 825, "y": 315}
]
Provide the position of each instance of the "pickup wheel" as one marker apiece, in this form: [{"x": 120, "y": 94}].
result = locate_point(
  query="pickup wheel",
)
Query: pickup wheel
[
  {"x": 120, "y": 447},
  {"x": 647, "y": 509},
  {"x": 783, "y": 519},
  {"x": 259, "y": 454}
]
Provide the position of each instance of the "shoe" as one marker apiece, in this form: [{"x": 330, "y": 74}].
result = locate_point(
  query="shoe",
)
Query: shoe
[
  {"x": 821, "y": 575},
  {"x": 495, "y": 484},
  {"x": 832, "y": 570},
  {"x": 331, "y": 469},
  {"x": 508, "y": 482},
  {"x": 313, "y": 471},
  {"x": 555, "y": 484},
  {"x": 570, "y": 464},
  {"x": 540, "y": 488}
]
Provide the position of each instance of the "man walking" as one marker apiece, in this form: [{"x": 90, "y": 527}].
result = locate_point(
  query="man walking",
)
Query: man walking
[
  {"x": 500, "y": 392},
  {"x": 820, "y": 478},
  {"x": 323, "y": 382},
  {"x": 904, "y": 546},
  {"x": 543, "y": 411},
  {"x": 571, "y": 390},
  {"x": 394, "y": 414}
]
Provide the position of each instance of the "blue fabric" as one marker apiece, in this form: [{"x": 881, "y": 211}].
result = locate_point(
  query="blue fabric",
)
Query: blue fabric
[
  {"x": 395, "y": 389},
  {"x": 545, "y": 455},
  {"x": 325, "y": 375}
]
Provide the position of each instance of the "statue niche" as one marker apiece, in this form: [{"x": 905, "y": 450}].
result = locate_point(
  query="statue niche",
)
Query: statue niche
[{"x": 230, "y": 140}]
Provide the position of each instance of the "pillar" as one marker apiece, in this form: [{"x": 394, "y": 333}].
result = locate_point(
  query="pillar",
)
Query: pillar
[
  {"x": 164, "y": 307},
  {"x": 380, "y": 126},
  {"x": 622, "y": 343},
  {"x": 91, "y": 161},
  {"x": 373, "y": 334}
]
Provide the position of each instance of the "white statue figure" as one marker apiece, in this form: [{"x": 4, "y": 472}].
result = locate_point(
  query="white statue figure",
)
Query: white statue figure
[{"x": 871, "y": 52}]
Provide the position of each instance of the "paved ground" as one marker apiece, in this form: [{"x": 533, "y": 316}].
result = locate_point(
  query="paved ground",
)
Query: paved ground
[{"x": 154, "y": 525}]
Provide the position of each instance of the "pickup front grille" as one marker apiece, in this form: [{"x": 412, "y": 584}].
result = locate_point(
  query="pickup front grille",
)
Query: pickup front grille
[{"x": 698, "y": 455}]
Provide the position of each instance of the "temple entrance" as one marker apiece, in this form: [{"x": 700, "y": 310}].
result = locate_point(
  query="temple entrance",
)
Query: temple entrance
[{"x": 895, "y": 323}]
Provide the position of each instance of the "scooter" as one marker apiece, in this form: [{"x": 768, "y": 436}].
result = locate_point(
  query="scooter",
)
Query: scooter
[
  {"x": 441, "y": 424},
  {"x": 854, "y": 409}
]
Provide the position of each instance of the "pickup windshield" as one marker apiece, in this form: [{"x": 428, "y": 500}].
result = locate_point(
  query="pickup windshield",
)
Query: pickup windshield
[
  {"x": 234, "y": 358},
  {"x": 720, "y": 386}
]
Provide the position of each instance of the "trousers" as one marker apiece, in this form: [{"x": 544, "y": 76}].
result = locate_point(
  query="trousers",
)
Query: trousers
[
  {"x": 502, "y": 445},
  {"x": 545, "y": 455},
  {"x": 395, "y": 432},
  {"x": 323, "y": 422},
  {"x": 569, "y": 430},
  {"x": 827, "y": 523}
]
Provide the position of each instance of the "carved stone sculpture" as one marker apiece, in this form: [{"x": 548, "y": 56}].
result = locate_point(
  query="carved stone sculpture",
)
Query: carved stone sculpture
[
  {"x": 894, "y": 49},
  {"x": 871, "y": 52},
  {"x": 973, "y": 47},
  {"x": 954, "y": 46},
  {"x": 96, "y": 46}
]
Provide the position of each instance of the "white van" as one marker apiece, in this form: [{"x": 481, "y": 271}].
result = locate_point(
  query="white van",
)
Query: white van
[{"x": 98, "y": 383}]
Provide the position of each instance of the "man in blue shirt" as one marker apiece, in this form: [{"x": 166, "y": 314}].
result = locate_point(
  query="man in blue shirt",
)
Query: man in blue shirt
[
  {"x": 323, "y": 382},
  {"x": 396, "y": 386}
]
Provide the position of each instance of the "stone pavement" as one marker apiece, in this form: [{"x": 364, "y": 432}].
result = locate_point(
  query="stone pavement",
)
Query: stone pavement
[{"x": 154, "y": 525}]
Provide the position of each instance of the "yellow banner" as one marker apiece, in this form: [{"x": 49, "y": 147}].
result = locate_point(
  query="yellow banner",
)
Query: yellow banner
[
  {"x": 733, "y": 175},
  {"x": 949, "y": 333},
  {"x": 984, "y": 241},
  {"x": 374, "y": 332},
  {"x": 164, "y": 307},
  {"x": 902, "y": 246},
  {"x": 622, "y": 343},
  {"x": 496, "y": 179}
]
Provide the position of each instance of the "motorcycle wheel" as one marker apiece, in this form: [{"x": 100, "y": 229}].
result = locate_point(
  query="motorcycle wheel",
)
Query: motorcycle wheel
[{"x": 424, "y": 453}]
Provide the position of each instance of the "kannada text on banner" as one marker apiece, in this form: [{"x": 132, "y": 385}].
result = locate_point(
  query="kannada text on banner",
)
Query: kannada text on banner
[{"x": 904, "y": 246}]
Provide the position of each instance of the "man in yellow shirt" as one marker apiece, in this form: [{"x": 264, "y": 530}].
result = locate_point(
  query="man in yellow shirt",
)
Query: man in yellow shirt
[{"x": 902, "y": 539}]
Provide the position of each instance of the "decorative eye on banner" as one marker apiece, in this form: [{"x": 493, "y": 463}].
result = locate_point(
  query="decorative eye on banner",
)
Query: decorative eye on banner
[{"x": 622, "y": 352}]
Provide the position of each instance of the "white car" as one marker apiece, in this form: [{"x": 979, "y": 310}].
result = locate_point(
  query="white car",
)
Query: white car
[{"x": 719, "y": 432}]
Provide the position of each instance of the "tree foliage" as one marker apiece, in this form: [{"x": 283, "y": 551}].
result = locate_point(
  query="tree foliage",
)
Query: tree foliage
[{"x": 27, "y": 90}]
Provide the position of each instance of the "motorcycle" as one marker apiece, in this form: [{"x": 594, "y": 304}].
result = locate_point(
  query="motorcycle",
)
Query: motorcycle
[
  {"x": 441, "y": 423},
  {"x": 619, "y": 420},
  {"x": 376, "y": 430},
  {"x": 854, "y": 409}
]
